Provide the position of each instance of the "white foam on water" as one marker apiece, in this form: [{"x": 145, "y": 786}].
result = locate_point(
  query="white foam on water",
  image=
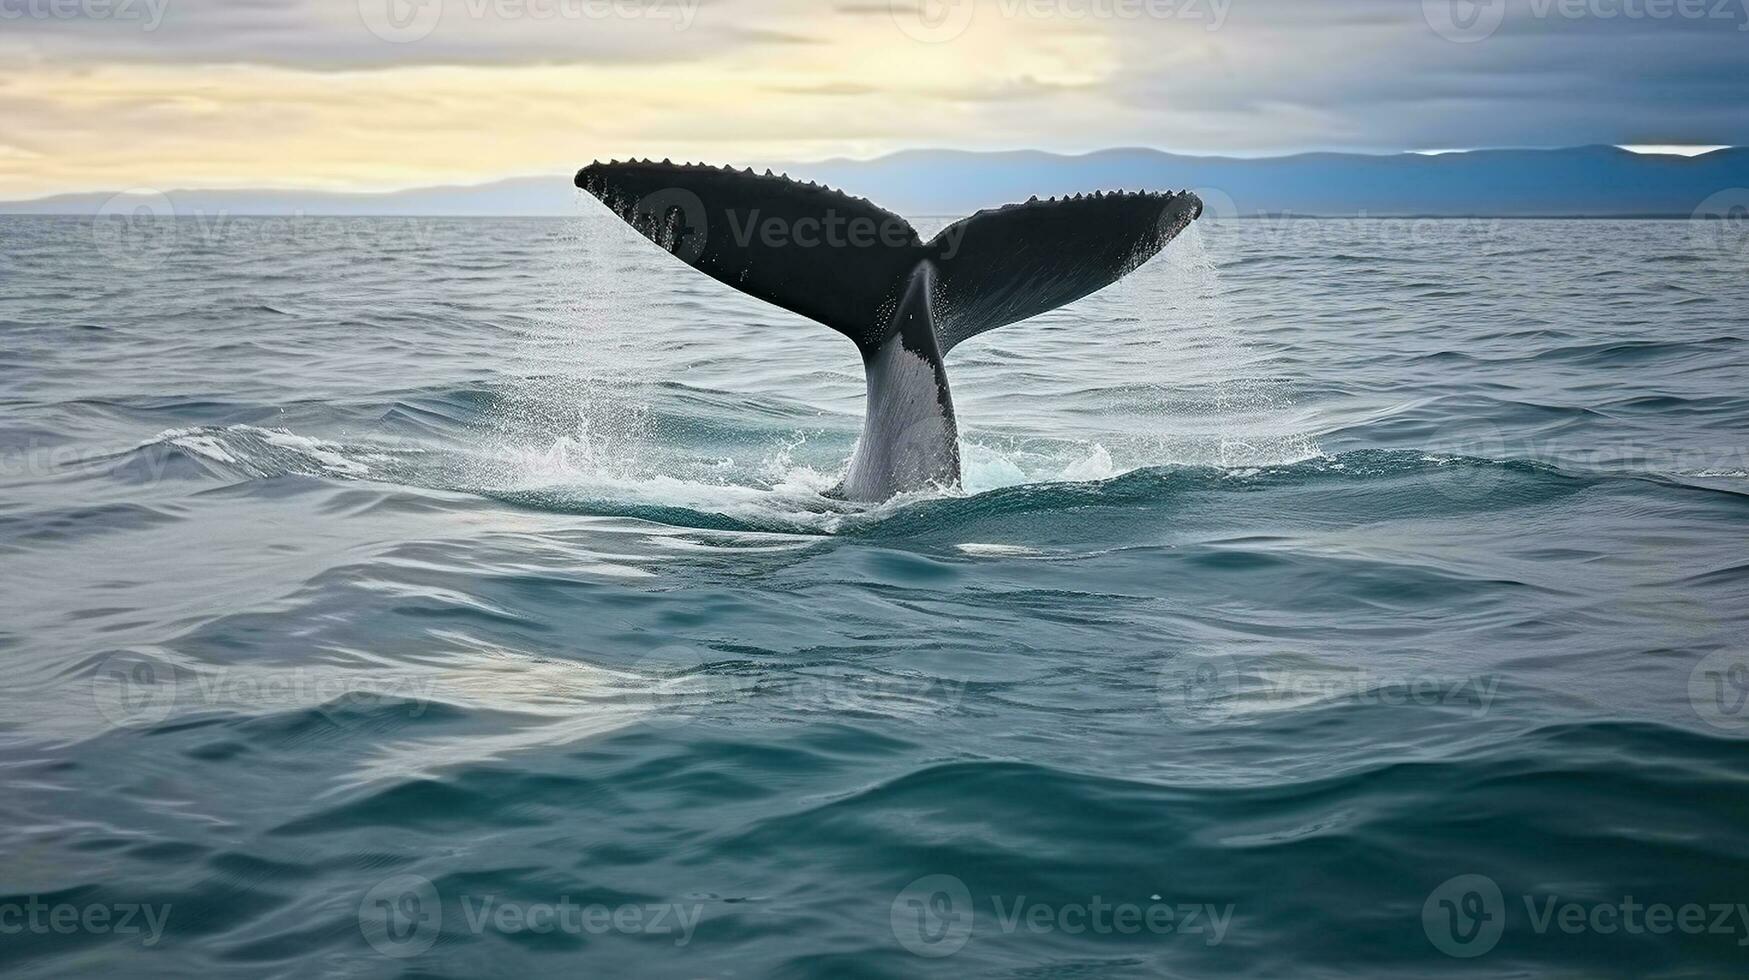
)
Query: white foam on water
[
  {"x": 985, "y": 468},
  {"x": 203, "y": 445},
  {"x": 998, "y": 550},
  {"x": 267, "y": 451},
  {"x": 329, "y": 455},
  {"x": 576, "y": 420},
  {"x": 1097, "y": 466}
]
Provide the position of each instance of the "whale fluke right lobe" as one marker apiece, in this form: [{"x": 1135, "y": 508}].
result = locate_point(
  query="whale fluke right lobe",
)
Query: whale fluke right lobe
[{"x": 1015, "y": 262}]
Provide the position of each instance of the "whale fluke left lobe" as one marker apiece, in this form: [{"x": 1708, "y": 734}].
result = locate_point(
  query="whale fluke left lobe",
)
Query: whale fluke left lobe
[{"x": 828, "y": 256}]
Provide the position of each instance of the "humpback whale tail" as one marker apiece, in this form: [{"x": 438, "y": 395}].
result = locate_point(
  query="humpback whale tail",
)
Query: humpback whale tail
[{"x": 864, "y": 272}]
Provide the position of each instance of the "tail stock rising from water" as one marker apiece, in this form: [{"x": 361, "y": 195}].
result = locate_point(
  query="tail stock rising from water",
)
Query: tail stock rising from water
[{"x": 905, "y": 303}]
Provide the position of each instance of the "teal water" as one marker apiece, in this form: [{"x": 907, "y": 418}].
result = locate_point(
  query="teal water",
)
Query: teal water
[{"x": 459, "y": 598}]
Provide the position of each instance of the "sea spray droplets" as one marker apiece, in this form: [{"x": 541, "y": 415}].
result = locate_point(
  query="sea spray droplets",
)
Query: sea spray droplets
[
  {"x": 603, "y": 404},
  {"x": 1215, "y": 401},
  {"x": 578, "y": 404}
]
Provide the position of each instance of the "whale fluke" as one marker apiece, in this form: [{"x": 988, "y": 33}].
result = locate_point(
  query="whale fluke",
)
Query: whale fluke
[
  {"x": 864, "y": 271},
  {"x": 1021, "y": 260}
]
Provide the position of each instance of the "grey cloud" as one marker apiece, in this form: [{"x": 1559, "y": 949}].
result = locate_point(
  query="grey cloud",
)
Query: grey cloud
[
  {"x": 1277, "y": 77},
  {"x": 336, "y": 35}
]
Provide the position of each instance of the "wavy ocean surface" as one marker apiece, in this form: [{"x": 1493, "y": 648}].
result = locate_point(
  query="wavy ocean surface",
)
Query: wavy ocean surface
[{"x": 459, "y": 598}]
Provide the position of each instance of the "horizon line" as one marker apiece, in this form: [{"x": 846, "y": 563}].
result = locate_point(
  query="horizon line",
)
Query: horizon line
[{"x": 1684, "y": 151}]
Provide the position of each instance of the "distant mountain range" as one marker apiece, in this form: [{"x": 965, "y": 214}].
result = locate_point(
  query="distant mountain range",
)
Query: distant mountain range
[{"x": 1590, "y": 181}]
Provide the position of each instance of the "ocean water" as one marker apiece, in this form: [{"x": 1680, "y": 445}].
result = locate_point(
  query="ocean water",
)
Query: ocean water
[{"x": 419, "y": 597}]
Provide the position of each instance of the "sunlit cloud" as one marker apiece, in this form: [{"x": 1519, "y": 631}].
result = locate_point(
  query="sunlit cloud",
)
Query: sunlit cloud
[{"x": 333, "y": 95}]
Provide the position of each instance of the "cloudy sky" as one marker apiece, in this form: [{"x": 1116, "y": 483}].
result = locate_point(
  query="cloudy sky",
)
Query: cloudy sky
[{"x": 370, "y": 94}]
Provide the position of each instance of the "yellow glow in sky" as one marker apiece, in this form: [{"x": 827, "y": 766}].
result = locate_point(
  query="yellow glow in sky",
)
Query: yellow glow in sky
[
  {"x": 100, "y": 95},
  {"x": 856, "y": 87}
]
